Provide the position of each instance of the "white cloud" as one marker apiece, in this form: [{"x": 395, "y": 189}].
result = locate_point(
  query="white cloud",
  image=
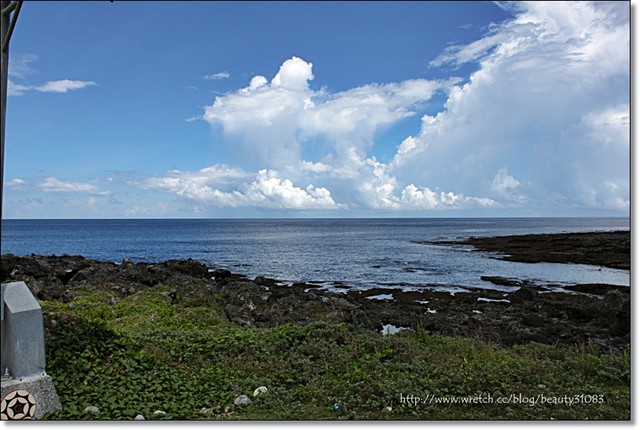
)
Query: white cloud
[
  {"x": 272, "y": 124},
  {"x": 416, "y": 198},
  {"x": 315, "y": 167},
  {"x": 505, "y": 186},
  {"x": 14, "y": 89},
  {"x": 217, "y": 174},
  {"x": 283, "y": 125},
  {"x": 217, "y": 76},
  {"x": 294, "y": 74},
  {"x": 351, "y": 119},
  {"x": 259, "y": 123},
  {"x": 54, "y": 185},
  {"x": 20, "y": 66},
  {"x": 63, "y": 86},
  {"x": 223, "y": 186},
  {"x": 382, "y": 191},
  {"x": 503, "y": 182},
  {"x": 256, "y": 82},
  {"x": 460, "y": 54},
  {"x": 271, "y": 191},
  {"x": 542, "y": 123},
  {"x": 549, "y": 102},
  {"x": 376, "y": 189},
  {"x": 17, "y": 184},
  {"x": 200, "y": 185},
  {"x": 20, "y": 69}
]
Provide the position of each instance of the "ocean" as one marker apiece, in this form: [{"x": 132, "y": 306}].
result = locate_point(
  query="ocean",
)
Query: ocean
[{"x": 356, "y": 253}]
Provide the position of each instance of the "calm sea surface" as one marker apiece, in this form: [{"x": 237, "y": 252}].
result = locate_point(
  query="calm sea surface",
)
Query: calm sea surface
[{"x": 361, "y": 253}]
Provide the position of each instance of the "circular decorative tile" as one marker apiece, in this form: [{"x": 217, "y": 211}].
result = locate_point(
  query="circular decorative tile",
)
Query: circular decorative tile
[{"x": 18, "y": 405}]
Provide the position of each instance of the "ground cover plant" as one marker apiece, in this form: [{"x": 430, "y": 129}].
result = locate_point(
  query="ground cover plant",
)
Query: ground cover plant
[{"x": 169, "y": 358}]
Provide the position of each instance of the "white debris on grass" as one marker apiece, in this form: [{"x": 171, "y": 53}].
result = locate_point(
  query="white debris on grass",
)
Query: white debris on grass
[
  {"x": 242, "y": 400},
  {"x": 259, "y": 390}
]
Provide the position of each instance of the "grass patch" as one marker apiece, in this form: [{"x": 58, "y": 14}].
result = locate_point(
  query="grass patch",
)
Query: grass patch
[{"x": 144, "y": 353}]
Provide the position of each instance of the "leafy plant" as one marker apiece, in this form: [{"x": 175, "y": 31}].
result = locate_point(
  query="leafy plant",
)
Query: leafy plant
[{"x": 145, "y": 353}]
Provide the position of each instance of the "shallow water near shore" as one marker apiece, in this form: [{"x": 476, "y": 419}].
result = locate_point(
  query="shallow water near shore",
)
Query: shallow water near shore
[{"x": 336, "y": 253}]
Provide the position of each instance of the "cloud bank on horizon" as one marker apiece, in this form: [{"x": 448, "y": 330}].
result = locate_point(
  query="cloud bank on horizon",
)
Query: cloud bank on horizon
[
  {"x": 542, "y": 122},
  {"x": 540, "y": 127}
]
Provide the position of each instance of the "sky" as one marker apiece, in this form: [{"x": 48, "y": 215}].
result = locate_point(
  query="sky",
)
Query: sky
[{"x": 318, "y": 109}]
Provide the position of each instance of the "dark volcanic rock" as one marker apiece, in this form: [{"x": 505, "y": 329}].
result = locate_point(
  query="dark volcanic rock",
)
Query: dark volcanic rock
[
  {"x": 188, "y": 267},
  {"x": 598, "y": 289},
  {"x": 610, "y": 249},
  {"x": 523, "y": 294},
  {"x": 268, "y": 282},
  {"x": 220, "y": 274},
  {"x": 249, "y": 303},
  {"x": 602, "y": 316},
  {"x": 533, "y": 320},
  {"x": 46, "y": 276}
]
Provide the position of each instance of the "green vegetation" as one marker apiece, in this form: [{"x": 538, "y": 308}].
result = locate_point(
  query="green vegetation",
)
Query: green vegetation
[{"x": 144, "y": 353}]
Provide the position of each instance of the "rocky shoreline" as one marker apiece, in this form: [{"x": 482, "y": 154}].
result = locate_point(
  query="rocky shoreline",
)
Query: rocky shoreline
[
  {"x": 608, "y": 249},
  {"x": 598, "y": 315}
]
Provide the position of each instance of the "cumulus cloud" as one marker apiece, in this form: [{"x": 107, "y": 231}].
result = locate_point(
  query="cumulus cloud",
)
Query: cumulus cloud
[
  {"x": 284, "y": 125},
  {"x": 223, "y": 186},
  {"x": 548, "y": 101},
  {"x": 383, "y": 191},
  {"x": 270, "y": 122},
  {"x": 256, "y": 82},
  {"x": 272, "y": 191},
  {"x": 54, "y": 185},
  {"x": 294, "y": 74},
  {"x": 542, "y": 122},
  {"x": 260, "y": 123},
  {"x": 416, "y": 198},
  {"x": 350, "y": 119}
]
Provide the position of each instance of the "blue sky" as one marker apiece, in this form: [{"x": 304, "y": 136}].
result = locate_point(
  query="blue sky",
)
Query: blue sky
[{"x": 327, "y": 109}]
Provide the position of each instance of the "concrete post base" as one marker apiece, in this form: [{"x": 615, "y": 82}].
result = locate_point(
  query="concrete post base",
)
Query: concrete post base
[{"x": 28, "y": 398}]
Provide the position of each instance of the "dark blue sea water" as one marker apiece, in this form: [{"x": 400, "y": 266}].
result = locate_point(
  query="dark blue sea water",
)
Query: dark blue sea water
[{"x": 361, "y": 253}]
